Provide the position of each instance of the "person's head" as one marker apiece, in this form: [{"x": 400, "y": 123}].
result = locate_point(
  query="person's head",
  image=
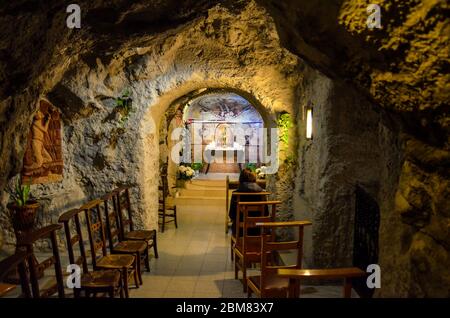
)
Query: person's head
[{"x": 247, "y": 176}]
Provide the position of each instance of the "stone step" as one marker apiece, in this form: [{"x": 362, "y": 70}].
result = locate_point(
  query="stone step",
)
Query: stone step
[
  {"x": 196, "y": 186},
  {"x": 200, "y": 200},
  {"x": 202, "y": 192},
  {"x": 207, "y": 183}
]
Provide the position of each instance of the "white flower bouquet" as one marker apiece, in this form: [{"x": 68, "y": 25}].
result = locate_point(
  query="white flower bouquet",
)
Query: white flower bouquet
[
  {"x": 185, "y": 173},
  {"x": 261, "y": 172}
]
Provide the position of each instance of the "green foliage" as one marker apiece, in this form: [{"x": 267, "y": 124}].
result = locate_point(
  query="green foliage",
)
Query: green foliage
[
  {"x": 284, "y": 124},
  {"x": 21, "y": 193},
  {"x": 251, "y": 166},
  {"x": 124, "y": 106},
  {"x": 197, "y": 166}
]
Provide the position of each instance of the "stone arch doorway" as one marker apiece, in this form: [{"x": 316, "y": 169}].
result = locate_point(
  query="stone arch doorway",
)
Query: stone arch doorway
[
  {"x": 153, "y": 149},
  {"x": 212, "y": 117}
]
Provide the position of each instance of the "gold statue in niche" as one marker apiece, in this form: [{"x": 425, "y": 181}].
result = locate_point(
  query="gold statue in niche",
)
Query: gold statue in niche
[
  {"x": 224, "y": 136},
  {"x": 43, "y": 157}
]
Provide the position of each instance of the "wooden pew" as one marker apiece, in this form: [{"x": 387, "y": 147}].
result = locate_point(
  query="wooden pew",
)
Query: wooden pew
[{"x": 231, "y": 185}]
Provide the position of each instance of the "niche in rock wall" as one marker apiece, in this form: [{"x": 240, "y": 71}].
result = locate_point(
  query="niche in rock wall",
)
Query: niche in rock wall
[{"x": 43, "y": 161}]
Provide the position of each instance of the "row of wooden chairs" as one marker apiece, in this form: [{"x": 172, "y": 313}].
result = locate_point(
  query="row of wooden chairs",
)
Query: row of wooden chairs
[
  {"x": 112, "y": 269},
  {"x": 256, "y": 242}
]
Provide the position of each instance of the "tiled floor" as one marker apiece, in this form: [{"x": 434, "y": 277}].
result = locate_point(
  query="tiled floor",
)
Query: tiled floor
[{"x": 194, "y": 260}]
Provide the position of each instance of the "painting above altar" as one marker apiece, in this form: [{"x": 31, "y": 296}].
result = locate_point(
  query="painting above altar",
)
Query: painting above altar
[
  {"x": 221, "y": 107},
  {"x": 221, "y": 118}
]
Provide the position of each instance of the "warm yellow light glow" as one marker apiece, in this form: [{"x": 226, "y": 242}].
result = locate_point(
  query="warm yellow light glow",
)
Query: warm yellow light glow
[{"x": 309, "y": 124}]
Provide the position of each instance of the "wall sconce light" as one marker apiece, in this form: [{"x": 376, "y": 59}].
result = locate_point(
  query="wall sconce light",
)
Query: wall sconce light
[{"x": 309, "y": 123}]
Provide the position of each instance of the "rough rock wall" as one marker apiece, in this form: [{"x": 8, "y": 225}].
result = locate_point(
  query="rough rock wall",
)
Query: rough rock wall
[
  {"x": 402, "y": 67},
  {"x": 414, "y": 39},
  {"x": 409, "y": 55},
  {"x": 344, "y": 152},
  {"x": 225, "y": 48}
]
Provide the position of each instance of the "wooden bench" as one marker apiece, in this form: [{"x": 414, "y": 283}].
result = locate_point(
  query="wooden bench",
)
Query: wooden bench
[
  {"x": 296, "y": 275},
  {"x": 229, "y": 187}
]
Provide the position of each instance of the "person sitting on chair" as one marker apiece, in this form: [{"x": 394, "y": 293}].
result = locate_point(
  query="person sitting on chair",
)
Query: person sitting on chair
[{"x": 247, "y": 183}]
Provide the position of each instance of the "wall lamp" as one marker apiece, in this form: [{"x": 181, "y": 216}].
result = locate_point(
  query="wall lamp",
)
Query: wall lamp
[{"x": 309, "y": 123}]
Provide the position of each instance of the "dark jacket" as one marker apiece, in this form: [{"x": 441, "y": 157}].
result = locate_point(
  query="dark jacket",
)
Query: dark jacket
[{"x": 243, "y": 187}]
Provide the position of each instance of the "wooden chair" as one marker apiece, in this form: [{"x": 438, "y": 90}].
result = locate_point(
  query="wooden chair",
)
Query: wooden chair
[
  {"x": 296, "y": 275},
  {"x": 51, "y": 286},
  {"x": 9, "y": 264},
  {"x": 104, "y": 281},
  {"x": 126, "y": 263},
  {"x": 268, "y": 284},
  {"x": 233, "y": 185},
  {"x": 121, "y": 203},
  {"x": 165, "y": 206},
  {"x": 245, "y": 196},
  {"x": 247, "y": 249},
  {"x": 116, "y": 244}
]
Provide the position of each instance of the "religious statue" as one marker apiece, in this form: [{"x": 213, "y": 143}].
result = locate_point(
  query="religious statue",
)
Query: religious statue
[
  {"x": 224, "y": 136},
  {"x": 43, "y": 157},
  {"x": 39, "y": 130}
]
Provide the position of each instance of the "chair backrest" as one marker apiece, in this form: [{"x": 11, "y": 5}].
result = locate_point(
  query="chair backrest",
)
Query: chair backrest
[
  {"x": 233, "y": 185},
  {"x": 69, "y": 219},
  {"x": 271, "y": 247},
  {"x": 112, "y": 220},
  {"x": 38, "y": 268},
  {"x": 122, "y": 205},
  {"x": 247, "y": 197},
  {"x": 163, "y": 192},
  {"x": 253, "y": 213},
  {"x": 96, "y": 229},
  {"x": 17, "y": 261}
]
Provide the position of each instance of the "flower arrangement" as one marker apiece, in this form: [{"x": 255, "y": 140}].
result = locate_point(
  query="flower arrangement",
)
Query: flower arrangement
[
  {"x": 185, "y": 173},
  {"x": 261, "y": 172}
]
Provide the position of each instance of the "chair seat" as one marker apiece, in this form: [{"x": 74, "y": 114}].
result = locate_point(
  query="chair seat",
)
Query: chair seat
[
  {"x": 100, "y": 279},
  {"x": 140, "y": 235},
  {"x": 130, "y": 247},
  {"x": 275, "y": 286},
  {"x": 6, "y": 288},
  {"x": 115, "y": 261}
]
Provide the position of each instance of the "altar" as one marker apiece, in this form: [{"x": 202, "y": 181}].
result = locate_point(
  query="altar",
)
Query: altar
[{"x": 234, "y": 153}]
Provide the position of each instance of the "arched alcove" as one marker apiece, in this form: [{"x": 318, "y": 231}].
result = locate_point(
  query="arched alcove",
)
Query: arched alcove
[
  {"x": 154, "y": 137},
  {"x": 207, "y": 113}
]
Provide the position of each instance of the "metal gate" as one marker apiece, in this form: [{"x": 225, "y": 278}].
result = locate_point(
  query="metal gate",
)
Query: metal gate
[{"x": 365, "y": 246}]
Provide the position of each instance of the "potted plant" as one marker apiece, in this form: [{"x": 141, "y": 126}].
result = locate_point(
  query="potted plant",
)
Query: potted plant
[
  {"x": 197, "y": 166},
  {"x": 23, "y": 209}
]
